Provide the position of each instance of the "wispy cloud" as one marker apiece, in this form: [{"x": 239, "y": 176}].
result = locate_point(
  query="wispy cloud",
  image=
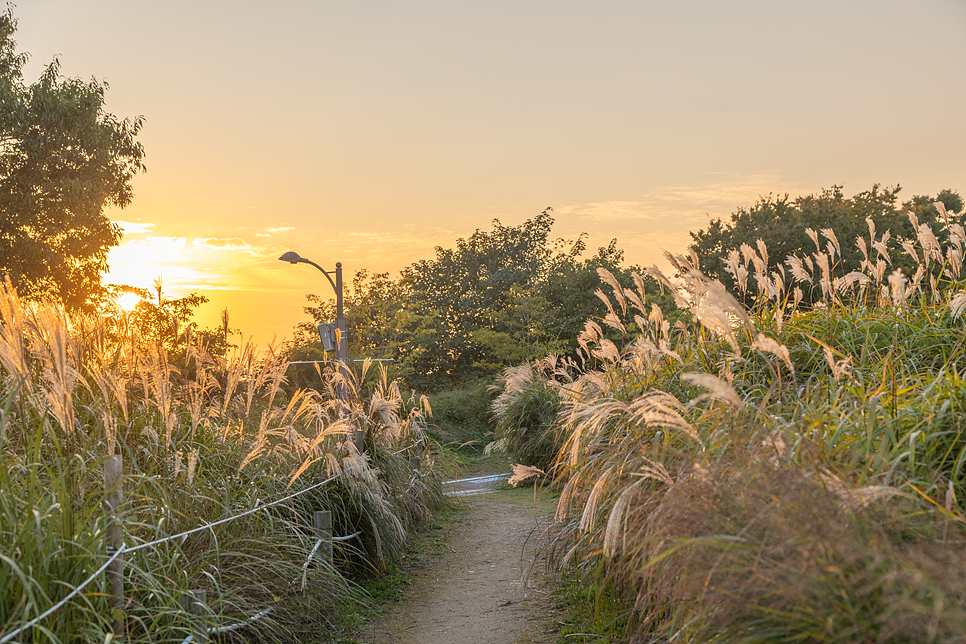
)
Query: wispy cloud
[
  {"x": 135, "y": 227},
  {"x": 201, "y": 263},
  {"x": 273, "y": 231},
  {"x": 719, "y": 196},
  {"x": 662, "y": 217},
  {"x": 233, "y": 244}
]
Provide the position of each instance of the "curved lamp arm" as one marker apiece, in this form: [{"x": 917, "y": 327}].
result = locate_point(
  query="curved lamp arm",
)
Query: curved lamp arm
[{"x": 294, "y": 258}]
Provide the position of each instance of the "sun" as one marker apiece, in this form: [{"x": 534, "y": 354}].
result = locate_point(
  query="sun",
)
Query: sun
[{"x": 127, "y": 301}]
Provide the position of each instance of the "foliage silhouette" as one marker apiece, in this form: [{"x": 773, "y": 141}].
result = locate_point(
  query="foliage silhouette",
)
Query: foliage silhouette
[{"x": 63, "y": 159}]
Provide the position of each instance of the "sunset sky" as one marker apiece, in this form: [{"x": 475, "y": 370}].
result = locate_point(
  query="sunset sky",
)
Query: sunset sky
[{"x": 370, "y": 132}]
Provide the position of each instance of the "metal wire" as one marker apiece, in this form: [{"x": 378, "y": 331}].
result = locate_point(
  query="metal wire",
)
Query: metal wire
[
  {"x": 62, "y": 602},
  {"x": 229, "y": 519},
  {"x": 6, "y": 638}
]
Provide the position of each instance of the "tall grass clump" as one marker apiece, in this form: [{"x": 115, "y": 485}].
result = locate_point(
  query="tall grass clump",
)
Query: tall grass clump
[
  {"x": 775, "y": 473},
  {"x": 203, "y": 441},
  {"x": 526, "y": 410}
]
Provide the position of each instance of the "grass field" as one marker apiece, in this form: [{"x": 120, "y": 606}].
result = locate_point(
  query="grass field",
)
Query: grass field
[
  {"x": 203, "y": 437},
  {"x": 770, "y": 472}
]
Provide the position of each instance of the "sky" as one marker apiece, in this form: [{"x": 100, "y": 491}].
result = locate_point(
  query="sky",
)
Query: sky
[{"x": 368, "y": 133}]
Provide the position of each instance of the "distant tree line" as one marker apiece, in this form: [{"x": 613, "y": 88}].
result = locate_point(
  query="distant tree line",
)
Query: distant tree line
[
  {"x": 497, "y": 298},
  {"x": 781, "y": 223},
  {"x": 513, "y": 293}
]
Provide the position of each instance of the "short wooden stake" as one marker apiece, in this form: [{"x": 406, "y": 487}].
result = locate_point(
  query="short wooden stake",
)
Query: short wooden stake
[
  {"x": 432, "y": 453},
  {"x": 360, "y": 437},
  {"x": 113, "y": 477},
  {"x": 193, "y": 602},
  {"x": 323, "y": 531}
]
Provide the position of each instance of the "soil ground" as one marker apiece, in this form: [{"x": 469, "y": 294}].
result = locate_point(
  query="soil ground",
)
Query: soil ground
[{"x": 487, "y": 583}]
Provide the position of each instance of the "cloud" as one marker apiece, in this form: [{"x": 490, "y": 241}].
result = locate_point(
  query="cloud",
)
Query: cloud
[
  {"x": 272, "y": 231},
  {"x": 134, "y": 227},
  {"x": 662, "y": 217},
  {"x": 186, "y": 265},
  {"x": 232, "y": 244},
  {"x": 719, "y": 196}
]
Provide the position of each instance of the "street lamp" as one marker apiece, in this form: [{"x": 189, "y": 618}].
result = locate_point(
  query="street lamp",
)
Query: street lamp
[{"x": 342, "y": 345}]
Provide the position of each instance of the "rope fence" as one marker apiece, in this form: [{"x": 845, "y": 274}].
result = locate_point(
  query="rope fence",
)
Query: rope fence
[
  {"x": 112, "y": 481},
  {"x": 180, "y": 535},
  {"x": 116, "y": 548},
  {"x": 63, "y": 602}
]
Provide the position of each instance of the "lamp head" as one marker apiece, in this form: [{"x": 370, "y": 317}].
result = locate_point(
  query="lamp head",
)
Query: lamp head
[{"x": 291, "y": 257}]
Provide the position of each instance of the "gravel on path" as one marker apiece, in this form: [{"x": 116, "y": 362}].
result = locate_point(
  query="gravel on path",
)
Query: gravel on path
[{"x": 485, "y": 588}]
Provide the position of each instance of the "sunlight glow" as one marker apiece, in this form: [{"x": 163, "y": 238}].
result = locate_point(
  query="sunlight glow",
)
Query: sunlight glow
[{"x": 127, "y": 301}]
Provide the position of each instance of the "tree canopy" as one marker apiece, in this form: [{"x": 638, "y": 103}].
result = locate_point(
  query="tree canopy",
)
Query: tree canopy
[
  {"x": 63, "y": 159},
  {"x": 781, "y": 223},
  {"x": 497, "y": 298}
]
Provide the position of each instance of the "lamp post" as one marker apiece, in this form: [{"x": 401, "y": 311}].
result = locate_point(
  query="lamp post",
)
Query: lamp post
[{"x": 342, "y": 345}]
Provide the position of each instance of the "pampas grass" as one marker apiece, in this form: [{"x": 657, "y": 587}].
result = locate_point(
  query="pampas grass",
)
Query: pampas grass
[
  {"x": 773, "y": 473},
  {"x": 202, "y": 441}
]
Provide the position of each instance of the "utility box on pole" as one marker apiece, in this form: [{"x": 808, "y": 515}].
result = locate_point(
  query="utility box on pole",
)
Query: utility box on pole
[{"x": 328, "y": 336}]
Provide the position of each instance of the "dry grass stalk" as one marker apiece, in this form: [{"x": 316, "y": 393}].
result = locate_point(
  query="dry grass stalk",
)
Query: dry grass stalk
[{"x": 716, "y": 389}]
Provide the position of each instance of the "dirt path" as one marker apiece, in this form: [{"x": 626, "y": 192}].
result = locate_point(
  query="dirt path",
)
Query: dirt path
[{"x": 483, "y": 589}]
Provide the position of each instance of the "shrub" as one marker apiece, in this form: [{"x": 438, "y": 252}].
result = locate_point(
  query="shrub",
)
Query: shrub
[
  {"x": 526, "y": 413},
  {"x": 462, "y": 416}
]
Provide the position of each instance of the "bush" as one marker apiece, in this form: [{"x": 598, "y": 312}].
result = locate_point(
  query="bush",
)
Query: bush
[
  {"x": 462, "y": 416},
  {"x": 526, "y": 414}
]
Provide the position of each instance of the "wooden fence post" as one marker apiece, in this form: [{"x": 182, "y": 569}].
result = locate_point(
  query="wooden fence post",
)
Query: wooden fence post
[
  {"x": 415, "y": 462},
  {"x": 360, "y": 437},
  {"x": 113, "y": 477},
  {"x": 323, "y": 531},
  {"x": 193, "y": 602},
  {"x": 432, "y": 454}
]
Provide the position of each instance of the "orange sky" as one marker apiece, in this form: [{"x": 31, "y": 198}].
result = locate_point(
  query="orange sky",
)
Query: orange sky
[{"x": 369, "y": 132}]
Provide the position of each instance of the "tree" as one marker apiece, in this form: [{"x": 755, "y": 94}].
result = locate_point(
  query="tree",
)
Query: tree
[
  {"x": 781, "y": 223},
  {"x": 167, "y": 320},
  {"x": 463, "y": 292},
  {"x": 63, "y": 159},
  {"x": 498, "y": 298}
]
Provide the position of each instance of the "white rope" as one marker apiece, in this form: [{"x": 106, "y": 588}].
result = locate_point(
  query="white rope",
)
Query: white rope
[
  {"x": 9, "y": 636},
  {"x": 227, "y": 629},
  {"x": 400, "y": 451},
  {"x": 312, "y": 554},
  {"x": 61, "y": 603},
  {"x": 229, "y": 519},
  {"x": 315, "y": 549}
]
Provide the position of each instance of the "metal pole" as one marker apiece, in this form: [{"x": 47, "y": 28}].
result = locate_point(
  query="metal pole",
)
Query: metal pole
[{"x": 342, "y": 349}]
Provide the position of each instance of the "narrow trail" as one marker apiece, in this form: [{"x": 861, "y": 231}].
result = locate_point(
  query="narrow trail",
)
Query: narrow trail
[{"x": 483, "y": 589}]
